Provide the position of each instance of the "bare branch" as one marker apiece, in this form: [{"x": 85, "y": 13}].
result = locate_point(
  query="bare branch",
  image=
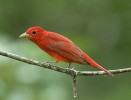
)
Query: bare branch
[{"x": 71, "y": 72}]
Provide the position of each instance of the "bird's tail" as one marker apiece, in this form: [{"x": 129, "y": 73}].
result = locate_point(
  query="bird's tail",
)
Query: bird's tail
[{"x": 94, "y": 64}]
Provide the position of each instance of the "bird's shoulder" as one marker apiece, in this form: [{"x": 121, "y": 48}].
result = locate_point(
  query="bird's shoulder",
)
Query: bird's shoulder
[{"x": 55, "y": 37}]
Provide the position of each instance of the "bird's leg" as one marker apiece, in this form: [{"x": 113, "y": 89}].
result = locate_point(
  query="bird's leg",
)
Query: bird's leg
[
  {"x": 69, "y": 65},
  {"x": 69, "y": 68}
]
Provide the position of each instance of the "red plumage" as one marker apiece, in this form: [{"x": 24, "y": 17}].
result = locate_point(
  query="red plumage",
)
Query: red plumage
[{"x": 60, "y": 47}]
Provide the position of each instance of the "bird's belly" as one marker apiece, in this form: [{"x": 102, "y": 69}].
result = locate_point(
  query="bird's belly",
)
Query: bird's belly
[{"x": 60, "y": 58}]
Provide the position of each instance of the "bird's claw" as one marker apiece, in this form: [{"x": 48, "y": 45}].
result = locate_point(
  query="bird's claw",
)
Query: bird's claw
[
  {"x": 69, "y": 70},
  {"x": 47, "y": 62}
]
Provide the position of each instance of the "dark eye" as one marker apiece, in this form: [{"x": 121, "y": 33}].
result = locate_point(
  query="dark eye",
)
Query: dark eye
[{"x": 33, "y": 32}]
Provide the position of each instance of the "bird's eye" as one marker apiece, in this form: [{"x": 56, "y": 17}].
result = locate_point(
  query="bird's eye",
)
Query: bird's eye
[{"x": 33, "y": 32}]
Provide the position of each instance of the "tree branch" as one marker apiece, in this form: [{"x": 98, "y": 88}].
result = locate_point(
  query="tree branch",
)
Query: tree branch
[{"x": 73, "y": 73}]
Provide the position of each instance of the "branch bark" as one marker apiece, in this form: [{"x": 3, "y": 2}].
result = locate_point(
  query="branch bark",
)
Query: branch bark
[{"x": 73, "y": 73}]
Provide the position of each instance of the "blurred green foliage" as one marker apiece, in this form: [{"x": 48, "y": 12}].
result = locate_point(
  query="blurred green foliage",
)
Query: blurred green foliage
[{"x": 101, "y": 28}]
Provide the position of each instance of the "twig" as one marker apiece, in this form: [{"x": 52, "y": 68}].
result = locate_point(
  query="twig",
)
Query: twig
[
  {"x": 74, "y": 86},
  {"x": 73, "y": 73}
]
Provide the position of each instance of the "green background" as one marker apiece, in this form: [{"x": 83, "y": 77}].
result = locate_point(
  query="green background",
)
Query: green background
[{"x": 101, "y": 28}]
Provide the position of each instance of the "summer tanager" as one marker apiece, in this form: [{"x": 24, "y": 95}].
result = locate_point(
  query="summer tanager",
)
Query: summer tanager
[{"x": 60, "y": 47}]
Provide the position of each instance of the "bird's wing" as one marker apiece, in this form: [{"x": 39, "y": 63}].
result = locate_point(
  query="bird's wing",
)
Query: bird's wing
[{"x": 63, "y": 47}]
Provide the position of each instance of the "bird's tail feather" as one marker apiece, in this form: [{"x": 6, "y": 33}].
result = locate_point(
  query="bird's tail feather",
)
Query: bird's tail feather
[{"x": 94, "y": 64}]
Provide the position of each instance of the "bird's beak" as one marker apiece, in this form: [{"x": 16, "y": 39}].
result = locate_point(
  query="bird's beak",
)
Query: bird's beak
[{"x": 24, "y": 35}]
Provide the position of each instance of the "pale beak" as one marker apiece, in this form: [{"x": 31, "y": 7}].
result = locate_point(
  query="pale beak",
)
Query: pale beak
[{"x": 24, "y": 35}]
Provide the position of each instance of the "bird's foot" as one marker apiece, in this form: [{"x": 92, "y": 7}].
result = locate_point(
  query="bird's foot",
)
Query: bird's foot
[
  {"x": 50, "y": 62},
  {"x": 47, "y": 61},
  {"x": 69, "y": 68}
]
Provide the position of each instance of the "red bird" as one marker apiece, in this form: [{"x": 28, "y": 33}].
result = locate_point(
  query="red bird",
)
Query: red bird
[{"x": 60, "y": 47}]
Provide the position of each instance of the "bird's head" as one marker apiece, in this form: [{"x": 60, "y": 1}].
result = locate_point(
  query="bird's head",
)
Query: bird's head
[{"x": 33, "y": 33}]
